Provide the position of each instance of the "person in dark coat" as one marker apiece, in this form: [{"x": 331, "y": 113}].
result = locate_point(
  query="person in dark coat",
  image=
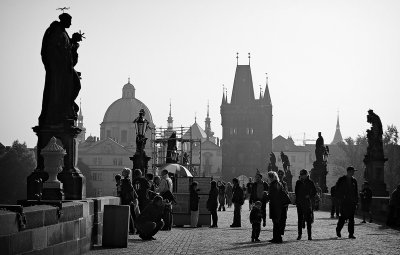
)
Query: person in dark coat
[
  {"x": 275, "y": 206},
  {"x": 334, "y": 203},
  {"x": 255, "y": 220},
  {"x": 305, "y": 192},
  {"x": 281, "y": 175},
  {"x": 150, "y": 220},
  {"x": 194, "y": 204},
  {"x": 212, "y": 204},
  {"x": 238, "y": 200},
  {"x": 257, "y": 194},
  {"x": 366, "y": 199},
  {"x": 142, "y": 187},
  {"x": 129, "y": 197},
  {"x": 347, "y": 195}
]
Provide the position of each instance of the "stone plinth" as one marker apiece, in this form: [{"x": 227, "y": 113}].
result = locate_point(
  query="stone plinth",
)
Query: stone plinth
[
  {"x": 374, "y": 174},
  {"x": 74, "y": 182},
  {"x": 140, "y": 161},
  {"x": 318, "y": 174}
]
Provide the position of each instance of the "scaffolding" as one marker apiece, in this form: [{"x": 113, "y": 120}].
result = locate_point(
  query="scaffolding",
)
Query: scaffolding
[{"x": 185, "y": 143}]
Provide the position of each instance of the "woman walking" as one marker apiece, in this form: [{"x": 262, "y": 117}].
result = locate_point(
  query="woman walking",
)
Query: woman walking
[
  {"x": 275, "y": 206},
  {"x": 212, "y": 204}
]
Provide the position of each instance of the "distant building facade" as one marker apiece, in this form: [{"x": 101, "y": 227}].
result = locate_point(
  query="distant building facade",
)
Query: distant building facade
[
  {"x": 107, "y": 155},
  {"x": 246, "y": 127}
]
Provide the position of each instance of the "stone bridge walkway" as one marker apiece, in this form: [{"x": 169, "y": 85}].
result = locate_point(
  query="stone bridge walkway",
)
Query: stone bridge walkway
[{"x": 371, "y": 239}]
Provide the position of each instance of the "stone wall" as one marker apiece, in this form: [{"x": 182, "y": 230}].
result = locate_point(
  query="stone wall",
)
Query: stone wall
[
  {"x": 72, "y": 230},
  {"x": 379, "y": 206}
]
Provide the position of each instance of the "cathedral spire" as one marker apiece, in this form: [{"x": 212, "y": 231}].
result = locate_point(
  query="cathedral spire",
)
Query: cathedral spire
[
  {"x": 223, "y": 95},
  {"x": 243, "y": 91},
  {"x": 338, "y": 135}
]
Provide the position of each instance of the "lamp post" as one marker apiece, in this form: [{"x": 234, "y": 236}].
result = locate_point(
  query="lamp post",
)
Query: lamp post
[{"x": 140, "y": 159}]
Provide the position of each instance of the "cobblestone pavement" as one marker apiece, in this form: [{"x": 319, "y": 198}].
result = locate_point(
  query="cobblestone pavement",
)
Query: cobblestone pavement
[{"x": 371, "y": 239}]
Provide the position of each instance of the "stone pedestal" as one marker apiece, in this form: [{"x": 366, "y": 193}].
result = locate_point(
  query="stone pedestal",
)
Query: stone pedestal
[
  {"x": 140, "y": 161},
  {"x": 374, "y": 174},
  {"x": 74, "y": 183},
  {"x": 318, "y": 174}
]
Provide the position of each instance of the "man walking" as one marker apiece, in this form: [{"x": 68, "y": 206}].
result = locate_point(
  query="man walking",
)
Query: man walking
[
  {"x": 257, "y": 194},
  {"x": 347, "y": 196}
]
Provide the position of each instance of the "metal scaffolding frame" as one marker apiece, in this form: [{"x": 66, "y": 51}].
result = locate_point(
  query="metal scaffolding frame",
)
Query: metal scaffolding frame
[{"x": 184, "y": 143}]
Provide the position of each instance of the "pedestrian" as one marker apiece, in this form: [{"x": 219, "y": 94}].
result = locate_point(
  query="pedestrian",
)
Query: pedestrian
[
  {"x": 129, "y": 197},
  {"x": 317, "y": 198},
  {"x": 347, "y": 195},
  {"x": 238, "y": 201},
  {"x": 334, "y": 203},
  {"x": 257, "y": 194},
  {"x": 141, "y": 186},
  {"x": 366, "y": 199},
  {"x": 212, "y": 204},
  {"x": 194, "y": 204},
  {"x": 255, "y": 220},
  {"x": 394, "y": 208},
  {"x": 281, "y": 175},
  {"x": 229, "y": 193},
  {"x": 150, "y": 220},
  {"x": 152, "y": 190},
  {"x": 276, "y": 205},
  {"x": 118, "y": 184},
  {"x": 249, "y": 187},
  {"x": 221, "y": 195},
  {"x": 305, "y": 192},
  {"x": 166, "y": 187}
]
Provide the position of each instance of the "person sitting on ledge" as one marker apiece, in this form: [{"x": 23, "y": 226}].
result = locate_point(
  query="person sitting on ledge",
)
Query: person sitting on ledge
[{"x": 150, "y": 220}]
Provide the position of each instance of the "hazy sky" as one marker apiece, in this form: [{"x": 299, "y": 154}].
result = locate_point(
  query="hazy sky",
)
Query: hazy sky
[{"x": 320, "y": 56}]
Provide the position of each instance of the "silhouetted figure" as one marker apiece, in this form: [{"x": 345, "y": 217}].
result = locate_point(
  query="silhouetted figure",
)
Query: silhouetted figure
[
  {"x": 275, "y": 192},
  {"x": 171, "y": 148},
  {"x": 62, "y": 85},
  {"x": 238, "y": 200},
  {"x": 305, "y": 192},
  {"x": 272, "y": 163},
  {"x": 320, "y": 149},
  {"x": 366, "y": 199},
  {"x": 150, "y": 220},
  {"x": 347, "y": 195},
  {"x": 194, "y": 204},
  {"x": 286, "y": 168},
  {"x": 255, "y": 220},
  {"x": 212, "y": 204},
  {"x": 257, "y": 194},
  {"x": 221, "y": 195},
  {"x": 334, "y": 203}
]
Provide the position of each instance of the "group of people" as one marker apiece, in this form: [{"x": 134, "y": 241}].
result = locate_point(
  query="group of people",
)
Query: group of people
[
  {"x": 149, "y": 199},
  {"x": 275, "y": 192}
]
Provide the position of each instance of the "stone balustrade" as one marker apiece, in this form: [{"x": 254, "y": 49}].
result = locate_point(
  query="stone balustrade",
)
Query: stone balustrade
[{"x": 72, "y": 230}]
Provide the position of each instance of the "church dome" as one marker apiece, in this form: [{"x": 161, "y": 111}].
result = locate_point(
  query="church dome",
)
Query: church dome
[{"x": 127, "y": 108}]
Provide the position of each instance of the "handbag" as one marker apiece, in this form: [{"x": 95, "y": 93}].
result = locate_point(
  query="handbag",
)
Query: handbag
[{"x": 284, "y": 197}]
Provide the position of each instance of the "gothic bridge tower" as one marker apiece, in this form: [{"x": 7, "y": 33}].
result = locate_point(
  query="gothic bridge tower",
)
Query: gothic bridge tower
[{"x": 246, "y": 127}]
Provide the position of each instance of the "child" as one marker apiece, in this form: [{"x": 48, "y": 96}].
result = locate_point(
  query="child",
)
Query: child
[
  {"x": 255, "y": 220},
  {"x": 118, "y": 184}
]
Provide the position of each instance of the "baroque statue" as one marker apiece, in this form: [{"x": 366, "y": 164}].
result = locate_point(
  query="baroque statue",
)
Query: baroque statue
[{"x": 62, "y": 83}]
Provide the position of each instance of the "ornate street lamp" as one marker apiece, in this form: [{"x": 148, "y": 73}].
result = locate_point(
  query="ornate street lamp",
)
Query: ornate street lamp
[{"x": 140, "y": 159}]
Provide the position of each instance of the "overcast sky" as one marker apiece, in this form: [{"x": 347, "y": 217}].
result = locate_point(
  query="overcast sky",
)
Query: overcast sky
[{"x": 320, "y": 56}]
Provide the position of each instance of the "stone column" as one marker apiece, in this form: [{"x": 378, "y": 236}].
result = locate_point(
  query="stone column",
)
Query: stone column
[
  {"x": 53, "y": 155},
  {"x": 374, "y": 174}
]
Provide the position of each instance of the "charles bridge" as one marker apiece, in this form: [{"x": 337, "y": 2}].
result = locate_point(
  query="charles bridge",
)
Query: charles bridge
[{"x": 76, "y": 227}]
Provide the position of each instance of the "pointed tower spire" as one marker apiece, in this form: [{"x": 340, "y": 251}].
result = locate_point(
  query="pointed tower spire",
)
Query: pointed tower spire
[
  {"x": 81, "y": 136},
  {"x": 338, "y": 135},
  {"x": 249, "y": 58},
  {"x": 243, "y": 91},
  {"x": 261, "y": 97},
  {"x": 129, "y": 80},
  {"x": 223, "y": 94},
  {"x": 237, "y": 58},
  {"x": 170, "y": 119},
  {"x": 267, "y": 96},
  {"x": 195, "y": 117},
  {"x": 207, "y": 122}
]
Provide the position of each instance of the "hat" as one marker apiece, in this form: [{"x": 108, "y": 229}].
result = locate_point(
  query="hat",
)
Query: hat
[{"x": 350, "y": 168}]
